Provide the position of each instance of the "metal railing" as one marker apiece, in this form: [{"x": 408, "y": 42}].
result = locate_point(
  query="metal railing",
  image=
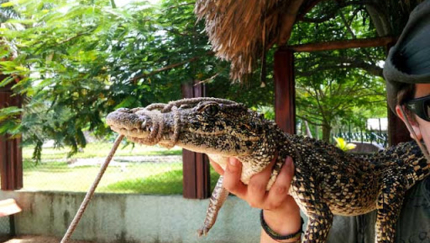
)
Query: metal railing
[{"x": 379, "y": 138}]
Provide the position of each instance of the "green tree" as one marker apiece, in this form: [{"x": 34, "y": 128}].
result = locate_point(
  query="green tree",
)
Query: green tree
[
  {"x": 337, "y": 86},
  {"x": 325, "y": 98},
  {"x": 6, "y": 11},
  {"x": 80, "y": 60}
]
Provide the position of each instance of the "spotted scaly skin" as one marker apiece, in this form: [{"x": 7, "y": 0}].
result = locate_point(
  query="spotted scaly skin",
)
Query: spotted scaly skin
[{"x": 326, "y": 182}]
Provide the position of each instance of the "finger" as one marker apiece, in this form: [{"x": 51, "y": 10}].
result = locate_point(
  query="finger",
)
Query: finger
[
  {"x": 257, "y": 185},
  {"x": 217, "y": 167},
  {"x": 232, "y": 180},
  {"x": 279, "y": 191}
]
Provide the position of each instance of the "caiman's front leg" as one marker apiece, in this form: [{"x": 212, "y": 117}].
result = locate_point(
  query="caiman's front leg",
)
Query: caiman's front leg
[
  {"x": 320, "y": 218},
  {"x": 219, "y": 195},
  {"x": 389, "y": 205}
]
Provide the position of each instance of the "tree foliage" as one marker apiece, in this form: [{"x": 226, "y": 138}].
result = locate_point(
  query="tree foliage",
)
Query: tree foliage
[
  {"x": 77, "y": 61},
  {"x": 338, "y": 86}
]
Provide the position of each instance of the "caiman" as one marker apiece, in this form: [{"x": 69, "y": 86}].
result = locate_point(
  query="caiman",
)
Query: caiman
[{"x": 327, "y": 181}]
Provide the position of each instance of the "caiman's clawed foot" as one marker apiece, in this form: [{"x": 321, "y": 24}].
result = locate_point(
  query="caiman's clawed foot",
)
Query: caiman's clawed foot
[{"x": 203, "y": 231}]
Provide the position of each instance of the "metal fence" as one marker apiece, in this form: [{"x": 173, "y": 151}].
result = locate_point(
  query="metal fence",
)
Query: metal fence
[
  {"x": 134, "y": 169},
  {"x": 374, "y": 137},
  {"x": 5, "y": 229}
]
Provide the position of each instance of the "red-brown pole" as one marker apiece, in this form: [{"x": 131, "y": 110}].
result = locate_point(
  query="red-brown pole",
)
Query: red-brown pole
[
  {"x": 285, "y": 92},
  {"x": 10, "y": 150}
]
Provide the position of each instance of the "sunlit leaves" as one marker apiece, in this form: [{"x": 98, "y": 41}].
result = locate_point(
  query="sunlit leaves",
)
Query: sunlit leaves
[{"x": 344, "y": 145}]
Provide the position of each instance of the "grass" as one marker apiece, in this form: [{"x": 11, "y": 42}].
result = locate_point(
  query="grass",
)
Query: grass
[
  {"x": 171, "y": 184},
  {"x": 156, "y": 177},
  {"x": 100, "y": 149}
]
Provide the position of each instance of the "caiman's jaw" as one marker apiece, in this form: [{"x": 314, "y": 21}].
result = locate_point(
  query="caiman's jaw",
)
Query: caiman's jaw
[
  {"x": 126, "y": 122},
  {"x": 143, "y": 126},
  {"x": 152, "y": 127},
  {"x": 206, "y": 125}
]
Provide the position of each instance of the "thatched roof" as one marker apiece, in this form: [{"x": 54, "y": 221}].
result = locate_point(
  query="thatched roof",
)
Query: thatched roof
[{"x": 240, "y": 30}]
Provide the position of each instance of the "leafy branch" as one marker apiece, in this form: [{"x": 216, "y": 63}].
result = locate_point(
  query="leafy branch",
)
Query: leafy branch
[{"x": 171, "y": 66}]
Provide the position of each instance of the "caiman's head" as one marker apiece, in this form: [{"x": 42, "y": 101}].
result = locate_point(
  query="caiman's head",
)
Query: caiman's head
[{"x": 209, "y": 125}]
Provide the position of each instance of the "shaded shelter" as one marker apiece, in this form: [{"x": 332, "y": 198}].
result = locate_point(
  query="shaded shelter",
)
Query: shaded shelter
[{"x": 242, "y": 31}]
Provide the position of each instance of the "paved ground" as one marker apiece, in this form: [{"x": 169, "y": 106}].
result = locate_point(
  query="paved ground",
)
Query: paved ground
[{"x": 39, "y": 239}]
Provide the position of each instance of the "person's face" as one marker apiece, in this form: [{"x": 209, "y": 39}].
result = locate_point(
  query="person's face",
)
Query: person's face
[{"x": 421, "y": 127}]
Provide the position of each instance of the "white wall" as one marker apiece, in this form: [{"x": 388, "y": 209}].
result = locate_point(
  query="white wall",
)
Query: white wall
[{"x": 132, "y": 218}]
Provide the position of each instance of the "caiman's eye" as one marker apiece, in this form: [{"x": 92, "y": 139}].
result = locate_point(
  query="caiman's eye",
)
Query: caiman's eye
[{"x": 211, "y": 110}]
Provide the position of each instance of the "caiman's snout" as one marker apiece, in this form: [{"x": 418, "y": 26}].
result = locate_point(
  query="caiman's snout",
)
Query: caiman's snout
[{"x": 130, "y": 122}]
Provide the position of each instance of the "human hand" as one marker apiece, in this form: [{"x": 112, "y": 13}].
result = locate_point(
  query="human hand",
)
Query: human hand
[{"x": 281, "y": 212}]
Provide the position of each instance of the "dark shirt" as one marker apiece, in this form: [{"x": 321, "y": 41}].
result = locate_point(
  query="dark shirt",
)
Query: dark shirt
[{"x": 413, "y": 225}]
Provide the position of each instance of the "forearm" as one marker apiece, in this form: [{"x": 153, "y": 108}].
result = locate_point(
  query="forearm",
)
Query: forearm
[{"x": 283, "y": 222}]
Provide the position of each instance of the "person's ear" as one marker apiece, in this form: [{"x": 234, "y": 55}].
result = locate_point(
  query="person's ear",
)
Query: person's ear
[{"x": 413, "y": 123}]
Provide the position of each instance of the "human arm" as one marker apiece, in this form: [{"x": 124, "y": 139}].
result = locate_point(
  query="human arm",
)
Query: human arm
[{"x": 281, "y": 213}]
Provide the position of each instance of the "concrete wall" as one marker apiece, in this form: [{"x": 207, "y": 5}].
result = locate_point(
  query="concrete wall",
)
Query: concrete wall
[
  {"x": 366, "y": 148},
  {"x": 132, "y": 218}
]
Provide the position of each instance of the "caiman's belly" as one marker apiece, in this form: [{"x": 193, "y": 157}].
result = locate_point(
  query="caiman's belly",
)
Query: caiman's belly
[{"x": 247, "y": 169}]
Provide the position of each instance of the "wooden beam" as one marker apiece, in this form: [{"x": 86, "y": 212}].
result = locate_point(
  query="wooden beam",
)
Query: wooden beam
[
  {"x": 288, "y": 20},
  {"x": 285, "y": 92},
  {"x": 342, "y": 44}
]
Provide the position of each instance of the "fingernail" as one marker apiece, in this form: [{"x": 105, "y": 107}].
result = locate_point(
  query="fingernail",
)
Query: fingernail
[
  {"x": 288, "y": 161},
  {"x": 289, "y": 164},
  {"x": 233, "y": 162}
]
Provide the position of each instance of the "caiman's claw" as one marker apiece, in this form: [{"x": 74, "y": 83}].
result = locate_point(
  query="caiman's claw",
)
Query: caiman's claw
[{"x": 203, "y": 231}]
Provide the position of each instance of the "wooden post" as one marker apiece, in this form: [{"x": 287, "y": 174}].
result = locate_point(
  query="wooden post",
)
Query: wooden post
[
  {"x": 397, "y": 131},
  {"x": 285, "y": 92},
  {"x": 10, "y": 150},
  {"x": 196, "y": 176}
]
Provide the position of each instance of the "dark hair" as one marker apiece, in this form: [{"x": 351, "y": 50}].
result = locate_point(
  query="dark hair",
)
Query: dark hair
[{"x": 406, "y": 93}]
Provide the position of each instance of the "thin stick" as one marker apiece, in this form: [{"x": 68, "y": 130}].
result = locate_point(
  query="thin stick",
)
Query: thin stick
[{"x": 90, "y": 192}]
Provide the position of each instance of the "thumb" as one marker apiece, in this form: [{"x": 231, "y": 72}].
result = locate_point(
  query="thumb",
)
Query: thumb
[
  {"x": 232, "y": 176},
  {"x": 234, "y": 165}
]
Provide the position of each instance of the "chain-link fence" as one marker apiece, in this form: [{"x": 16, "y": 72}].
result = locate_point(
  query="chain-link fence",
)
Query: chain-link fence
[
  {"x": 5, "y": 229},
  {"x": 134, "y": 169}
]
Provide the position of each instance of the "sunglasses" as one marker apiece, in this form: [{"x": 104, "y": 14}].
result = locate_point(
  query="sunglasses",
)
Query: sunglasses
[{"x": 420, "y": 106}]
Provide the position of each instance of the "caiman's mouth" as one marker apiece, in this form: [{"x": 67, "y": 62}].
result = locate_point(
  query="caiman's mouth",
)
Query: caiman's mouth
[
  {"x": 131, "y": 132},
  {"x": 207, "y": 134},
  {"x": 143, "y": 126},
  {"x": 127, "y": 123}
]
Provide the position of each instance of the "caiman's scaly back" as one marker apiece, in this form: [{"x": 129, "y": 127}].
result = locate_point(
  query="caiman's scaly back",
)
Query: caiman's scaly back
[{"x": 327, "y": 181}]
